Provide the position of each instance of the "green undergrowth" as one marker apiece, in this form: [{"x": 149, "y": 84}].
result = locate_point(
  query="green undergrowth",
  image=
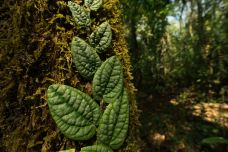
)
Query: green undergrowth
[{"x": 35, "y": 52}]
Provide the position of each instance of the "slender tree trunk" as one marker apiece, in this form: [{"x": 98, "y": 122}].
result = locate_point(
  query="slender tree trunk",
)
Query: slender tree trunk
[
  {"x": 135, "y": 51},
  {"x": 200, "y": 32}
]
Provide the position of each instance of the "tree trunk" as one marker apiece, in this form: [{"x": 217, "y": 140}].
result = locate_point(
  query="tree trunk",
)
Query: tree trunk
[
  {"x": 135, "y": 51},
  {"x": 35, "y": 41},
  {"x": 200, "y": 33}
]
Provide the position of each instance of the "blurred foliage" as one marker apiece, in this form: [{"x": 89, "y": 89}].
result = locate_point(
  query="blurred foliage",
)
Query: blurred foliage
[
  {"x": 146, "y": 21},
  {"x": 215, "y": 140},
  {"x": 180, "y": 58},
  {"x": 177, "y": 44}
]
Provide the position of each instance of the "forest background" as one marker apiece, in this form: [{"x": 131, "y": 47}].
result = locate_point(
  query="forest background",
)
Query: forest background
[{"x": 179, "y": 51}]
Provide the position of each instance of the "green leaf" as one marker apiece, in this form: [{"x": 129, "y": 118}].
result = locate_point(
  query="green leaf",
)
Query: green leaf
[
  {"x": 74, "y": 112},
  {"x": 85, "y": 57},
  {"x": 93, "y": 4},
  {"x": 96, "y": 148},
  {"x": 108, "y": 80},
  {"x": 81, "y": 16},
  {"x": 215, "y": 140},
  {"x": 113, "y": 125},
  {"x": 101, "y": 38}
]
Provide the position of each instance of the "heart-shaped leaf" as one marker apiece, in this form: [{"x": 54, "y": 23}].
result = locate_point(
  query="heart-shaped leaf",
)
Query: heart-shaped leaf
[
  {"x": 93, "y": 4},
  {"x": 74, "y": 112},
  {"x": 81, "y": 16},
  {"x": 96, "y": 148},
  {"x": 108, "y": 80},
  {"x": 101, "y": 38},
  {"x": 113, "y": 125},
  {"x": 85, "y": 57}
]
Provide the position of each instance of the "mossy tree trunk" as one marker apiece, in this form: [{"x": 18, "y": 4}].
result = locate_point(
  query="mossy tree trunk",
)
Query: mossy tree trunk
[{"x": 34, "y": 44}]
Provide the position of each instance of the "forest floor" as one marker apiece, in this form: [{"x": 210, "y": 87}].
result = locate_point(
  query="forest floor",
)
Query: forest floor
[{"x": 169, "y": 125}]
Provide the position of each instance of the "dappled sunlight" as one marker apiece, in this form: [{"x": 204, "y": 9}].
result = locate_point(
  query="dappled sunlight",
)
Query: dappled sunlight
[
  {"x": 212, "y": 112},
  {"x": 170, "y": 125}
]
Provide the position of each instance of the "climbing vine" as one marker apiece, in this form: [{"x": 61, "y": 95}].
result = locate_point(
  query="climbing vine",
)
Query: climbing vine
[{"x": 76, "y": 114}]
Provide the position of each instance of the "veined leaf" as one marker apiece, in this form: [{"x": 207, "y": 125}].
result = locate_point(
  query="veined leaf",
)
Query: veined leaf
[
  {"x": 101, "y": 38},
  {"x": 113, "y": 125},
  {"x": 93, "y": 4},
  {"x": 96, "y": 148},
  {"x": 108, "y": 80},
  {"x": 85, "y": 57},
  {"x": 74, "y": 112},
  {"x": 81, "y": 16}
]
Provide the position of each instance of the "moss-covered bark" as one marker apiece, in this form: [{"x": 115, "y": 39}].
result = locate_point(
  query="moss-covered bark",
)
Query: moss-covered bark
[{"x": 35, "y": 52}]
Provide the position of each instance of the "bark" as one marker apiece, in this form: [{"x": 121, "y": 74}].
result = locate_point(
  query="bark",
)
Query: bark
[{"x": 35, "y": 52}]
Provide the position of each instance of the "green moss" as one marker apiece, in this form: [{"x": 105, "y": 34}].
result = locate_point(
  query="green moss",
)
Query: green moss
[{"x": 35, "y": 52}]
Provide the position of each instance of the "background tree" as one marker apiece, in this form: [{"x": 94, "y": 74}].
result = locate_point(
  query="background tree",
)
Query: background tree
[
  {"x": 146, "y": 21},
  {"x": 177, "y": 43},
  {"x": 197, "y": 45}
]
